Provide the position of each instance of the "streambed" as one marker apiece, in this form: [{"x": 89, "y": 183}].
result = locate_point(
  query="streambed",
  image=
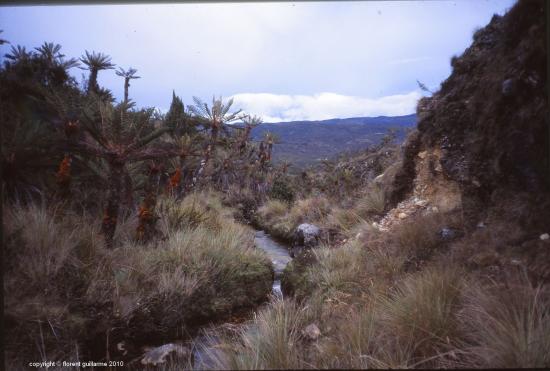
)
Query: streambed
[{"x": 279, "y": 255}]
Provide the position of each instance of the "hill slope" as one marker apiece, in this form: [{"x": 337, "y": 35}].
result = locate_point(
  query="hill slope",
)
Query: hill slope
[{"x": 305, "y": 142}]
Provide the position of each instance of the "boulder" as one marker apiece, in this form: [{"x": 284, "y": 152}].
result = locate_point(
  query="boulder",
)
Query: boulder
[
  {"x": 311, "y": 332},
  {"x": 307, "y": 235},
  {"x": 158, "y": 355}
]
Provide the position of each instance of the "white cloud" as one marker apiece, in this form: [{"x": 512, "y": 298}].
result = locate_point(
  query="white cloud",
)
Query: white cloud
[{"x": 323, "y": 106}]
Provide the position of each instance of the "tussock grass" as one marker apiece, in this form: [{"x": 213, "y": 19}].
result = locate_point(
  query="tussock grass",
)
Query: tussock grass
[
  {"x": 421, "y": 310},
  {"x": 205, "y": 266},
  {"x": 281, "y": 221},
  {"x": 419, "y": 238},
  {"x": 373, "y": 202},
  {"x": 508, "y": 327},
  {"x": 343, "y": 220},
  {"x": 271, "y": 341},
  {"x": 272, "y": 210}
]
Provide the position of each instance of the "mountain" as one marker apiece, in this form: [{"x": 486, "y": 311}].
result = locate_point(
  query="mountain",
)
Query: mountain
[{"x": 304, "y": 143}]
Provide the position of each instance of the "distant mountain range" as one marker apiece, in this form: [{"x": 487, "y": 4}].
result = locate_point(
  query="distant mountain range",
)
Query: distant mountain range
[{"x": 304, "y": 143}]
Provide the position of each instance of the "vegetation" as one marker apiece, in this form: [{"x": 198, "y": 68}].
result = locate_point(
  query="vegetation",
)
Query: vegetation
[{"x": 125, "y": 227}]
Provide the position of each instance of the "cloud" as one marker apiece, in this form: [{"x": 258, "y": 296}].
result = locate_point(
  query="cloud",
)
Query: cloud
[{"x": 323, "y": 106}]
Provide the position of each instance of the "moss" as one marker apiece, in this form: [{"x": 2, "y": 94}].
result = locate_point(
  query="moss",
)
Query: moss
[{"x": 295, "y": 280}]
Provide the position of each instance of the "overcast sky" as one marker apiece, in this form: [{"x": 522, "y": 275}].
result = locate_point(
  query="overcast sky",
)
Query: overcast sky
[{"x": 283, "y": 61}]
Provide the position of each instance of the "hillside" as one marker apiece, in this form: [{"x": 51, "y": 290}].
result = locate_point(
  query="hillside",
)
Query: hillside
[{"x": 305, "y": 142}]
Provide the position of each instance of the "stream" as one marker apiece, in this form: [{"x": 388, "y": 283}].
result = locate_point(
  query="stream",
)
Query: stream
[
  {"x": 280, "y": 257},
  {"x": 278, "y": 254}
]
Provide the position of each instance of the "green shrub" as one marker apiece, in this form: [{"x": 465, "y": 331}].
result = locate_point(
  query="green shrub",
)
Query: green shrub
[{"x": 282, "y": 190}]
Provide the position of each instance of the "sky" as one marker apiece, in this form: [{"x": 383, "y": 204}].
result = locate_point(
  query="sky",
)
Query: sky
[{"x": 282, "y": 61}]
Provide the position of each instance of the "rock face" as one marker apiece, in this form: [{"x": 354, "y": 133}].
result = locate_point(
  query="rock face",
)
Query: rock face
[
  {"x": 306, "y": 236},
  {"x": 488, "y": 120}
]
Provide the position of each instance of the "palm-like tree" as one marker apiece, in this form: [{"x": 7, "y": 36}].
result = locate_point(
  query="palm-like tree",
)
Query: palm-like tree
[
  {"x": 3, "y": 41},
  {"x": 18, "y": 53},
  {"x": 95, "y": 62},
  {"x": 51, "y": 53},
  {"x": 128, "y": 75},
  {"x": 215, "y": 119},
  {"x": 119, "y": 137}
]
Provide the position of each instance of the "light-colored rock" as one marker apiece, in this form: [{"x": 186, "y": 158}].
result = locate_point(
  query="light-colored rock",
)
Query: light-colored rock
[
  {"x": 438, "y": 167},
  {"x": 447, "y": 233},
  {"x": 158, "y": 355},
  {"x": 422, "y": 154},
  {"x": 544, "y": 236},
  {"x": 379, "y": 178},
  {"x": 421, "y": 203},
  {"x": 311, "y": 332},
  {"x": 401, "y": 215},
  {"x": 307, "y": 235}
]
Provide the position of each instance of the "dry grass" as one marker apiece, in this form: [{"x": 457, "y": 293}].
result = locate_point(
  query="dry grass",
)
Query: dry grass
[
  {"x": 272, "y": 341},
  {"x": 60, "y": 271},
  {"x": 372, "y": 203},
  {"x": 280, "y": 221},
  {"x": 272, "y": 210},
  {"x": 508, "y": 327},
  {"x": 343, "y": 220},
  {"x": 421, "y": 310}
]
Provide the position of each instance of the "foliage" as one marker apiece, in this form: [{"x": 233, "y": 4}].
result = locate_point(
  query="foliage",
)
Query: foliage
[{"x": 282, "y": 190}]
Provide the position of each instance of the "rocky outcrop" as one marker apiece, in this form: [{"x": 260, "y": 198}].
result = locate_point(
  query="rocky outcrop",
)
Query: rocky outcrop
[{"x": 486, "y": 127}]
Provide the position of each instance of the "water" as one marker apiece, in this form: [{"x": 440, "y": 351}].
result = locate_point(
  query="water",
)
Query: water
[
  {"x": 206, "y": 346},
  {"x": 278, "y": 254}
]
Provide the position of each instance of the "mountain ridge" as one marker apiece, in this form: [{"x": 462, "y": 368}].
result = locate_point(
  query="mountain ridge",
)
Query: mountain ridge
[{"x": 305, "y": 142}]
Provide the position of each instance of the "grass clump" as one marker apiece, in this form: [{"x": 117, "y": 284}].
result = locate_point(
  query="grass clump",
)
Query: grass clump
[
  {"x": 281, "y": 221},
  {"x": 421, "y": 310},
  {"x": 507, "y": 327},
  {"x": 372, "y": 203},
  {"x": 203, "y": 268},
  {"x": 271, "y": 341}
]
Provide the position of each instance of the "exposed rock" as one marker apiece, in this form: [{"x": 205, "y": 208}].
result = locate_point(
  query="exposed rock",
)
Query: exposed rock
[
  {"x": 307, "y": 235},
  {"x": 158, "y": 355},
  {"x": 311, "y": 332},
  {"x": 447, "y": 233},
  {"x": 401, "y": 215},
  {"x": 421, "y": 203},
  {"x": 508, "y": 87},
  {"x": 544, "y": 236},
  {"x": 422, "y": 154}
]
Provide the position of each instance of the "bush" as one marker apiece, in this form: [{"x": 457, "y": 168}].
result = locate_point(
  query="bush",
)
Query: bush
[
  {"x": 282, "y": 190},
  {"x": 64, "y": 290}
]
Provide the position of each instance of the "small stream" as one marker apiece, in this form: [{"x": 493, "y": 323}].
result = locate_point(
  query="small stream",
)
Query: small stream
[
  {"x": 278, "y": 254},
  {"x": 280, "y": 257}
]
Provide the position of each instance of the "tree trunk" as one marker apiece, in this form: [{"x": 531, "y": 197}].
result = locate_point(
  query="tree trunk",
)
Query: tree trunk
[
  {"x": 110, "y": 218},
  {"x": 147, "y": 218},
  {"x": 92, "y": 81},
  {"x": 126, "y": 86}
]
